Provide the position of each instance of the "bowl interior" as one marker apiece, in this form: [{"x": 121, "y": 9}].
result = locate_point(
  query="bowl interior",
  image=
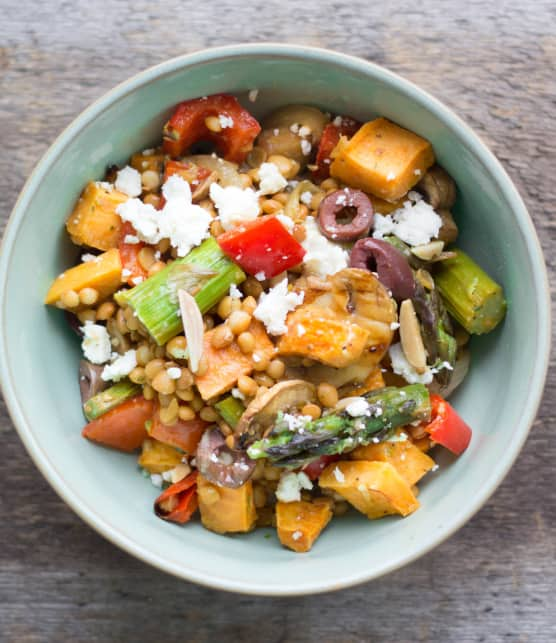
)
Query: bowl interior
[{"x": 40, "y": 358}]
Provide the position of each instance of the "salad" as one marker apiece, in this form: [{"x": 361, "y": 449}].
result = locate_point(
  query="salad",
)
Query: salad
[{"x": 273, "y": 315}]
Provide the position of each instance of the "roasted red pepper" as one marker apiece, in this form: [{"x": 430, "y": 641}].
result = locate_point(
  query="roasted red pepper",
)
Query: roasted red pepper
[
  {"x": 328, "y": 141},
  {"x": 129, "y": 256},
  {"x": 179, "y": 502},
  {"x": 184, "y": 434},
  {"x": 315, "y": 468},
  {"x": 187, "y": 126},
  {"x": 262, "y": 246},
  {"x": 446, "y": 427}
]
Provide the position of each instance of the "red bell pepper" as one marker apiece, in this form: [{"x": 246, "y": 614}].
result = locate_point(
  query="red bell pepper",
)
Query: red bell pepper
[
  {"x": 446, "y": 427},
  {"x": 315, "y": 468},
  {"x": 187, "y": 126},
  {"x": 262, "y": 246},
  {"x": 179, "y": 502},
  {"x": 123, "y": 427},
  {"x": 183, "y": 434},
  {"x": 129, "y": 256},
  {"x": 328, "y": 141}
]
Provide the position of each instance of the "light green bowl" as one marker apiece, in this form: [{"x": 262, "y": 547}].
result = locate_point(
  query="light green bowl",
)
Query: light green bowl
[{"x": 39, "y": 353}]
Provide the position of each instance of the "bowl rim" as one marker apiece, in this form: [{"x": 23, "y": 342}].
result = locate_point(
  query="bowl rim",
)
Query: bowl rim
[{"x": 454, "y": 123}]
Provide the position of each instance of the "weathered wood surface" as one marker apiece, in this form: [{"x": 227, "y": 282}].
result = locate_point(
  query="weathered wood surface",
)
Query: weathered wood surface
[{"x": 494, "y": 63}]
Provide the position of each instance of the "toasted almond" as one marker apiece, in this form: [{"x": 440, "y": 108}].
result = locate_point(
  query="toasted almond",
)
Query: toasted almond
[
  {"x": 428, "y": 251},
  {"x": 410, "y": 335},
  {"x": 192, "y": 321}
]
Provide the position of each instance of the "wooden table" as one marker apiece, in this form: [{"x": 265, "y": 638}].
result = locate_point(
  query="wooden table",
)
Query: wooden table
[{"x": 494, "y": 63}]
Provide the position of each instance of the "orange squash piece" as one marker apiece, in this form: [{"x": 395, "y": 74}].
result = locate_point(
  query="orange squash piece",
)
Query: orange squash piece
[
  {"x": 408, "y": 460},
  {"x": 373, "y": 381},
  {"x": 104, "y": 274},
  {"x": 373, "y": 488},
  {"x": 157, "y": 457},
  {"x": 153, "y": 161},
  {"x": 226, "y": 365},
  {"x": 94, "y": 221},
  {"x": 382, "y": 158},
  {"x": 225, "y": 510},
  {"x": 300, "y": 523}
]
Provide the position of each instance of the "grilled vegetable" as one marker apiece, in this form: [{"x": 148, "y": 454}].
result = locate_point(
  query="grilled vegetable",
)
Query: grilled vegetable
[
  {"x": 183, "y": 434},
  {"x": 300, "y": 523},
  {"x": 157, "y": 457},
  {"x": 179, "y": 502},
  {"x": 446, "y": 426},
  {"x": 230, "y": 410},
  {"x": 226, "y": 510},
  {"x": 474, "y": 299},
  {"x": 90, "y": 380},
  {"x": 103, "y": 274},
  {"x": 108, "y": 399},
  {"x": 205, "y": 273},
  {"x": 94, "y": 221},
  {"x": 382, "y": 158},
  {"x": 220, "y": 464},
  {"x": 438, "y": 188},
  {"x": 328, "y": 141},
  {"x": 374, "y": 488},
  {"x": 297, "y": 442},
  {"x": 129, "y": 256},
  {"x": 335, "y": 209}
]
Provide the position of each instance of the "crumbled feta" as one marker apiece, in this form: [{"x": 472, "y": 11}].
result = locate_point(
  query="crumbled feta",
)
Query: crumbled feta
[
  {"x": 323, "y": 257},
  {"x": 237, "y": 394},
  {"x": 290, "y": 485},
  {"x": 391, "y": 176},
  {"x": 297, "y": 535},
  {"x": 402, "y": 367},
  {"x": 253, "y": 94},
  {"x": 137, "y": 280},
  {"x": 88, "y": 257},
  {"x": 294, "y": 127},
  {"x": 128, "y": 181},
  {"x": 143, "y": 217},
  {"x": 260, "y": 276},
  {"x": 337, "y": 121},
  {"x": 131, "y": 238},
  {"x": 338, "y": 474},
  {"x": 286, "y": 221},
  {"x": 225, "y": 121},
  {"x": 157, "y": 480},
  {"x": 120, "y": 366},
  {"x": 301, "y": 330},
  {"x": 274, "y": 306},
  {"x": 270, "y": 179},
  {"x": 435, "y": 468},
  {"x": 235, "y": 292},
  {"x": 304, "y": 130},
  {"x": 415, "y": 196},
  {"x": 358, "y": 407},
  {"x": 306, "y": 147},
  {"x": 96, "y": 343},
  {"x": 234, "y": 205},
  {"x": 105, "y": 185},
  {"x": 416, "y": 223},
  {"x": 394, "y": 325},
  {"x": 417, "y": 172},
  {"x": 174, "y": 373},
  {"x": 126, "y": 273},
  {"x": 306, "y": 197},
  {"x": 296, "y": 422}
]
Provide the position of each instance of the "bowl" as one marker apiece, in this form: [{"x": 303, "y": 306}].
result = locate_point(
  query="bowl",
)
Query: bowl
[{"x": 39, "y": 355}]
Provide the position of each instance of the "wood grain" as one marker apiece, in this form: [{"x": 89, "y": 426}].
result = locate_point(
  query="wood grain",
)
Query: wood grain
[{"x": 495, "y": 580}]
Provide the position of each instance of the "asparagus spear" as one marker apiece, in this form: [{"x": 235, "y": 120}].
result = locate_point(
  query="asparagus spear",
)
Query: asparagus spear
[
  {"x": 298, "y": 440},
  {"x": 111, "y": 397},
  {"x": 206, "y": 273},
  {"x": 230, "y": 410},
  {"x": 471, "y": 296}
]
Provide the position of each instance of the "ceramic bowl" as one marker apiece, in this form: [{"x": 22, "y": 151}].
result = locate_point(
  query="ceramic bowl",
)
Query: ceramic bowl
[{"x": 39, "y": 355}]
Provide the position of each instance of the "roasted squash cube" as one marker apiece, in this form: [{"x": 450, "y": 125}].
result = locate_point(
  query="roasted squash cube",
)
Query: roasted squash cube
[
  {"x": 225, "y": 510},
  {"x": 300, "y": 523},
  {"x": 157, "y": 457},
  {"x": 94, "y": 221},
  {"x": 384, "y": 159},
  {"x": 409, "y": 461},
  {"x": 374, "y": 488},
  {"x": 104, "y": 274}
]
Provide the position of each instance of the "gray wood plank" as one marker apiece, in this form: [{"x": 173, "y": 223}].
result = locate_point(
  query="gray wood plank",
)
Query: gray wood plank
[{"x": 494, "y": 580}]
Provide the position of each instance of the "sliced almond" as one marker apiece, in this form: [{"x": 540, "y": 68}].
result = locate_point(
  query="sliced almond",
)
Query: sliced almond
[
  {"x": 192, "y": 321},
  {"x": 410, "y": 335},
  {"x": 428, "y": 251}
]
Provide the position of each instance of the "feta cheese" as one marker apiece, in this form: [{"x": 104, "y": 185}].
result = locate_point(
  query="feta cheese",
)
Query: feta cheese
[
  {"x": 137, "y": 280},
  {"x": 322, "y": 257},
  {"x": 286, "y": 221},
  {"x": 237, "y": 394},
  {"x": 143, "y": 217},
  {"x": 96, "y": 343},
  {"x": 105, "y": 185},
  {"x": 297, "y": 535},
  {"x": 274, "y": 306},
  {"x": 294, "y": 127},
  {"x": 260, "y": 276},
  {"x": 128, "y": 181},
  {"x": 337, "y": 121},
  {"x": 358, "y": 407},
  {"x": 176, "y": 188},
  {"x": 253, "y": 94},
  {"x": 225, "y": 121},
  {"x": 394, "y": 325},
  {"x": 306, "y": 147},
  {"x": 290, "y": 485},
  {"x": 174, "y": 373},
  {"x": 416, "y": 223},
  {"x": 235, "y": 292},
  {"x": 391, "y": 176},
  {"x": 338, "y": 474},
  {"x": 234, "y": 205},
  {"x": 304, "y": 130},
  {"x": 306, "y": 197},
  {"x": 131, "y": 238},
  {"x": 88, "y": 257},
  {"x": 157, "y": 480},
  {"x": 270, "y": 179},
  {"x": 402, "y": 367},
  {"x": 120, "y": 366}
]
